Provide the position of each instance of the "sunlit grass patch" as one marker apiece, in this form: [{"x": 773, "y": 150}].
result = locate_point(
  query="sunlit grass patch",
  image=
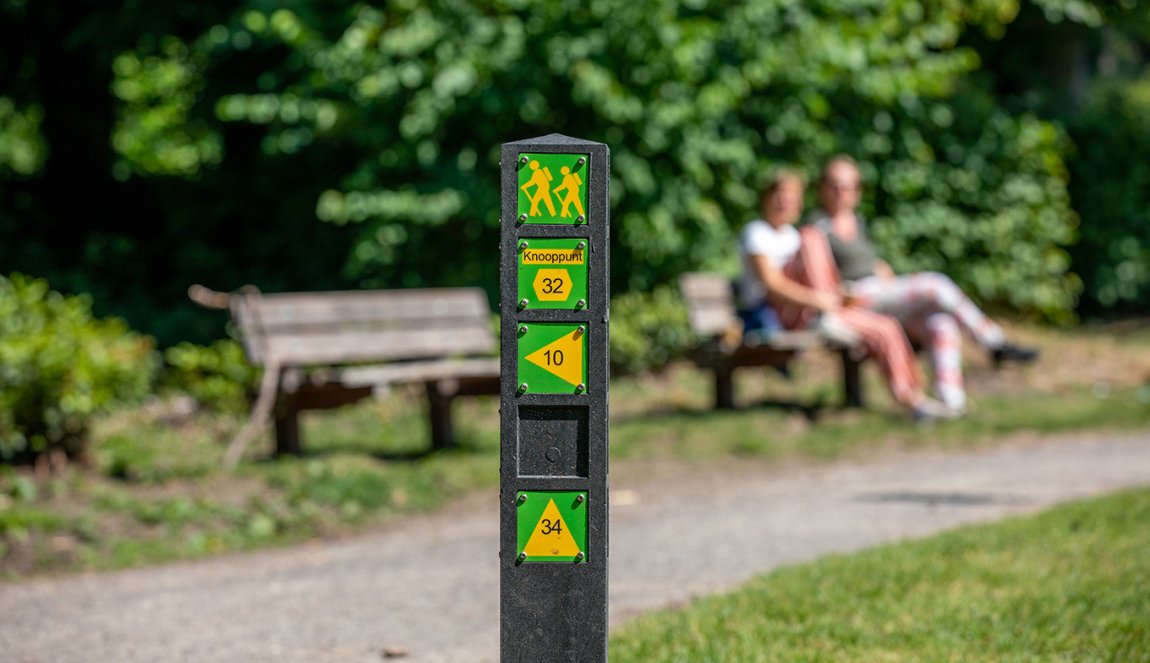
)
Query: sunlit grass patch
[{"x": 1068, "y": 584}]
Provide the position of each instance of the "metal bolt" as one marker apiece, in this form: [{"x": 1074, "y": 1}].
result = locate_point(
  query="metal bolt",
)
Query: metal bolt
[
  {"x": 522, "y": 557},
  {"x": 579, "y": 557},
  {"x": 522, "y": 303},
  {"x": 582, "y": 328},
  {"x": 579, "y": 389},
  {"x": 581, "y": 161},
  {"x": 523, "y": 388},
  {"x": 523, "y": 244},
  {"x": 522, "y": 329},
  {"x": 579, "y": 498},
  {"x": 581, "y": 303},
  {"x": 581, "y": 245},
  {"x": 523, "y": 159},
  {"x": 580, "y": 219},
  {"x": 522, "y": 498},
  {"x": 522, "y": 218}
]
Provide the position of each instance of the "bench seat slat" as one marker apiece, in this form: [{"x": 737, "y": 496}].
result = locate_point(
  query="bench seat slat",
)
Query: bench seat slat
[
  {"x": 423, "y": 371},
  {"x": 338, "y": 347},
  {"x": 287, "y": 310}
]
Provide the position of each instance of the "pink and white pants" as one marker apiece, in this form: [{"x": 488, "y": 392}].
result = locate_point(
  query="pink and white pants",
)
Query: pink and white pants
[{"x": 933, "y": 310}]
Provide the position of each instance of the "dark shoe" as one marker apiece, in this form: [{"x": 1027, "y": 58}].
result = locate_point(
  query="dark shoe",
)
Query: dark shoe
[{"x": 1007, "y": 352}]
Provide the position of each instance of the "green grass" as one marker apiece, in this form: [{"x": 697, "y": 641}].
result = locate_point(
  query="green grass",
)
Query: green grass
[
  {"x": 157, "y": 492},
  {"x": 1067, "y": 585}
]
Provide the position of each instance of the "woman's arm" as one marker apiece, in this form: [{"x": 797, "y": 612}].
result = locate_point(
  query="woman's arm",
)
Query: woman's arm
[{"x": 779, "y": 286}]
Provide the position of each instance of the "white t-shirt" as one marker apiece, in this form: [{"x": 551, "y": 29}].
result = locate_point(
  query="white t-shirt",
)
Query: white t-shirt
[{"x": 760, "y": 238}]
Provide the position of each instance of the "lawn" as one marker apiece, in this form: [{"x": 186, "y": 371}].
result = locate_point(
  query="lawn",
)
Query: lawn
[
  {"x": 156, "y": 491},
  {"x": 1067, "y": 585}
]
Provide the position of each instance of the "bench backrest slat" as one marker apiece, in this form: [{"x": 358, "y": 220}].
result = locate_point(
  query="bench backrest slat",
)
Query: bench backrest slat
[
  {"x": 347, "y": 327},
  {"x": 710, "y": 302}
]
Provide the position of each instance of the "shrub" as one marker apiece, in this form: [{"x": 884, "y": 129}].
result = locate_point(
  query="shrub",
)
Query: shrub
[
  {"x": 59, "y": 367},
  {"x": 648, "y": 330},
  {"x": 218, "y": 376}
]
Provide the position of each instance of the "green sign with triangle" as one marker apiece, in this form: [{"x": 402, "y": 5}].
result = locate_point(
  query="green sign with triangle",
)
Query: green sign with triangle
[
  {"x": 551, "y": 526},
  {"x": 552, "y": 358}
]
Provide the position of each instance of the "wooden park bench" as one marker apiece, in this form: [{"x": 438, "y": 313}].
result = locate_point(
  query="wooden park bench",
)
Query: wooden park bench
[
  {"x": 710, "y": 300},
  {"x": 321, "y": 350}
]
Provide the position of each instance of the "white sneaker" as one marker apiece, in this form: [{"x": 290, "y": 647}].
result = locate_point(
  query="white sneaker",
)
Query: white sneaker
[
  {"x": 831, "y": 328},
  {"x": 929, "y": 409}
]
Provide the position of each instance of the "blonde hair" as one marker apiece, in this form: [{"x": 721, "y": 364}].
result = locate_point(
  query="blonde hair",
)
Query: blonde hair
[{"x": 838, "y": 158}]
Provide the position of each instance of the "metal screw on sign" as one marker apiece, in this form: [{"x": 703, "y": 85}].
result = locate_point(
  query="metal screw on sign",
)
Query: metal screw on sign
[
  {"x": 580, "y": 219},
  {"x": 580, "y": 499},
  {"x": 522, "y": 218},
  {"x": 523, "y": 303},
  {"x": 581, "y": 303},
  {"x": 523, "y": 388},
  {"x": 580, "y": 557},
  {"x": 523, "y": 329}
]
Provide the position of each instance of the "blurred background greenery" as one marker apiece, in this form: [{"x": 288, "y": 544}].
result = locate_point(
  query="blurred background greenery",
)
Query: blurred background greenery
[{"x": 294, "y": 145}]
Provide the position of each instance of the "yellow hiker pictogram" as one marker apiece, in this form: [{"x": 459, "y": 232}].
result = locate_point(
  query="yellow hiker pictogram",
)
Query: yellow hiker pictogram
[
  {"x": 552, "y": 285},
  {"x": 541, "y": 179},
  {"x": 551, "y": 538},
  {"x": 562, "y": 357},
  {"x": 571, "y": 182}
]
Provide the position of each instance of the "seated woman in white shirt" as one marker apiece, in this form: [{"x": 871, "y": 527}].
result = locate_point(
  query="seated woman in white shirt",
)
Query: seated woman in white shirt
[{"x": 791, "y": 272}]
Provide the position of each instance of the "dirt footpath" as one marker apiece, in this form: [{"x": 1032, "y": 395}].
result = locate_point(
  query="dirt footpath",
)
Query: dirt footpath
[{"x": 428, "y": 586}]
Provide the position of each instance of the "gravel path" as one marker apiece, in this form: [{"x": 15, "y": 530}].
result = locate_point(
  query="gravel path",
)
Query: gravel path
[{"x": 429, "y": 585}]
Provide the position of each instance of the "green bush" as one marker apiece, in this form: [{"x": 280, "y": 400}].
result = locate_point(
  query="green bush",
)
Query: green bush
[
  {"x": 1110, "y": 186},
  {"x": 648, "y": 330},
  {"x": 218, "y": 376},
  {"x": 59, "y": 367}
]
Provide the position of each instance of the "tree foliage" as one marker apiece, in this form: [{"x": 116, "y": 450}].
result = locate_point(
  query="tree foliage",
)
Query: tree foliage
[
  {"x": 697, "y": 101},
  {"x": 145, "y": 146}
]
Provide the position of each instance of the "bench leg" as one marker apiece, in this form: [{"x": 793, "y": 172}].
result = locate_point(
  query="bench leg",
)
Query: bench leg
[
  {"x": 439, "y": 399},
  {"x": 287, "y": 431},
  {"x": 852, "y": 380},
  {"x": 724, "y": 389}
]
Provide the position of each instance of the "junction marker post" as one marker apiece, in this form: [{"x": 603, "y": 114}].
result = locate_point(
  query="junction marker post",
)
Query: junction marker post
[{"x": 554, "y": 296}]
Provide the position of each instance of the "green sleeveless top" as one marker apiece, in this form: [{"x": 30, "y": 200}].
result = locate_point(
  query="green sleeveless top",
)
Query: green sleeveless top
[{"x": 856, "y": 258}]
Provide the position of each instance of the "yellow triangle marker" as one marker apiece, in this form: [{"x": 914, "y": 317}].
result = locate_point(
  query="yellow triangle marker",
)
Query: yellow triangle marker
[
  {"x": 562, "y": 358},
  {"x": 551, "y": 538}
]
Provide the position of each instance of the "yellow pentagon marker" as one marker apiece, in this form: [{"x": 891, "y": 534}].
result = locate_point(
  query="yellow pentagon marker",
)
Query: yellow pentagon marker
[
  {"x": 562, "y": 357},
  {"x": 551, "y": 537},
  {"x": 552, "y": 285}
]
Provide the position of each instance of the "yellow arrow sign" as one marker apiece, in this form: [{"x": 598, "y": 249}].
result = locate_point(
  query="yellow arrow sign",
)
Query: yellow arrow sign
[
  {"x": 552, "y": 285},
  {"x": 551, "y": 538},
  {"x": 562, "y": 357}
]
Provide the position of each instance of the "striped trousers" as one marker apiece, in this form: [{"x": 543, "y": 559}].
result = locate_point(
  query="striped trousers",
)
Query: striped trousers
[{"x": 934, "y": 311}]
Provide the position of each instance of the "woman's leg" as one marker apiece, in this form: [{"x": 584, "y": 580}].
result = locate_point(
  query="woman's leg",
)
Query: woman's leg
[
  {"x": 881, "y": 335},
  {"x": 923, "y": 293},
  {"x": 940, "y": 332},
  {"x": 814, "y": 267},
  {"x": 884, "y": 339}
]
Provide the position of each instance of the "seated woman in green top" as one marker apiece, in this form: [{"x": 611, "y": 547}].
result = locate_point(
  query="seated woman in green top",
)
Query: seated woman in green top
[{"x": 930, "y": 306}]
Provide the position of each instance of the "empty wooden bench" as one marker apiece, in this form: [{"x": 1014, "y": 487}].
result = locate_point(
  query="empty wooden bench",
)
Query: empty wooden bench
[
  {"x": 710, "y": 300},
  {"x": 322, "y": 350}
]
